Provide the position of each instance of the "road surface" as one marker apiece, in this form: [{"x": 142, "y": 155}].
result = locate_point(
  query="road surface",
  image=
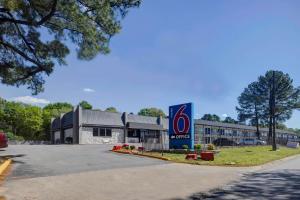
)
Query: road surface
[
  {"x": 51, "y": 160},
  {"x": 92, "y": 173},
  {"x": 280, "y": 181}
]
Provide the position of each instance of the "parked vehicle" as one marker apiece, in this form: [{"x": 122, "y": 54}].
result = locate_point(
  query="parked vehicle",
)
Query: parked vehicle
[
  {"x": 261, "y": 142},
  {"x": 250, "y": 141},
  {"x": 3, "y": 140},
  {"x": 224, "y": 142},
  {"x": 69, "y": 140}
]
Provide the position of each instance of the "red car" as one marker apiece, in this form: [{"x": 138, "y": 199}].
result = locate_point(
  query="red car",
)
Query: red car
[{"x": 3, "y": 140}]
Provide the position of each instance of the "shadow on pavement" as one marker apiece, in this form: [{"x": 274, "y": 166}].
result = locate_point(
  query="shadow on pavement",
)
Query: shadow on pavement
[
  {"x": 4, "y": 157},
  {"x": 266, "y": 185},
  {"x": 12, "y": 156}
]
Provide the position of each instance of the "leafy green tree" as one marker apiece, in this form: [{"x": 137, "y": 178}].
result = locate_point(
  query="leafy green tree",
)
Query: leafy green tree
[
  {"x": 230, "y": 120},
  {"x": 297, "y": 130},
  {"x": 251, "y": 106},
  {"x": 211, "y": 117},
  {"x": 25, "y": 56},
  {"x": 27, "y": 121},
  {"x": 31, "y": 125},
  {"x": 58, "y": 108},
  {"x": 14, "y": 116},
  {"x": 47, "y": 115},
  {"x": 86, "y": 105},
  {"x": 2, "y": 119},
  {"x": 111, "y": 109},
  {"x": 152, "y": 112},
  {"x": 53, "y": 110},
  {"x": 281, "y": 126},
  {"x": 24, "y": 121}
]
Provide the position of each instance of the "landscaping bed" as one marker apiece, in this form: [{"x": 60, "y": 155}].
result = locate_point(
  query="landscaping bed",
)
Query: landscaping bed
[{"x": 237, "y": 156}]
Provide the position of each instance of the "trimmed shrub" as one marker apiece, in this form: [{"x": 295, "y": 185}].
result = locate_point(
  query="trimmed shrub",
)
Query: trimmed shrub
[
  {"x": 12, "y": 136},
  {"x": 211, "y": 147},
  {"x": 185, "y": 147},
  {"x": 132, "y": 147},
  {"x": 141, "y": 148},
  {"x": 197, "y": 147}
]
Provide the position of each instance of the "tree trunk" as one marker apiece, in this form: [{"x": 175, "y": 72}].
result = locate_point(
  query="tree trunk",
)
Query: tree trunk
[
  {"x": 257, "y": 123},
  {"x": 274, "y": 146},
  {"x": 270, "y": 121}
]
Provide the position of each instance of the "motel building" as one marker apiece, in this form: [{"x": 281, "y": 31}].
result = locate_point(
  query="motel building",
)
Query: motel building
[{"x": 82, "y": 126}]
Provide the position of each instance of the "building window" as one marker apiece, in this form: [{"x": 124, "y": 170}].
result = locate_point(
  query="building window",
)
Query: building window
[
  {"x": 201, "y": 130},
  {"x": 234, "y": 132},
  {"x": 131, "y": 133},
  {"x": 196, "y": 137},
  {"x": 138, "y": 132},
  {"x": 207, "y": 130},
  {"x": 95, "y": 132},
  {"x": 102, "y": 132},
  {"x": 221, "y": 131},
  {"x": 108, "y": 132}
]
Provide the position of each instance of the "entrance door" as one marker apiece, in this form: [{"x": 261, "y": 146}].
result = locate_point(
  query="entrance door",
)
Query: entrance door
[
  {"x": 133, "y": 135},
  {"x": 143, "y": 135}
]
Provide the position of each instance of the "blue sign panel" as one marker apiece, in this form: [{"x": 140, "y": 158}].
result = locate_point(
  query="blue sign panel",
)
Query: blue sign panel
[{"x": 181, "y": 126}]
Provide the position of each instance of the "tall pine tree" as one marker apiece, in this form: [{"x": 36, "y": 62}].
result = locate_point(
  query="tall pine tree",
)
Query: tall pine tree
[
  {"x": 27, "y": 54},
  {"x": 280, "y": 99},
  {"x": 270, "y": 100},
  {"x": 251, "y": 106}
]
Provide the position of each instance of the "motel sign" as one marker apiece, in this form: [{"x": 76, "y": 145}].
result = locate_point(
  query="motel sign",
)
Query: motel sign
[{"x": 181, "y": 126}]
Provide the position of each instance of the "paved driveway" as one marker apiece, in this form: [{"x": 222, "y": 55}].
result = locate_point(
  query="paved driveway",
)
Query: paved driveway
[
  {"x": 156, "y": 182},
  {"x": 276, "y": 182},
  {"x": 50, "y": 160},
  {"x": 90, "y": 172}
]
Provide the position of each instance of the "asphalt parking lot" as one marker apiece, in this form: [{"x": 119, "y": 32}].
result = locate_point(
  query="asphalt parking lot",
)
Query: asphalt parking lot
[
  {"x": 71, "y": 172},
  {"x": 50, "y": 160}
]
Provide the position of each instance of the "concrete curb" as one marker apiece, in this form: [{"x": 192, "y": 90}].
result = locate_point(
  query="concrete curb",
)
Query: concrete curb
[
  {"x": 4, "y": 166},
  {"x": 142, "y": 155}
]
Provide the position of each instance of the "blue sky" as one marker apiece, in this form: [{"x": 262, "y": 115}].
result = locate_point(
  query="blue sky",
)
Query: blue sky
[{"x": 176, "y": 51}]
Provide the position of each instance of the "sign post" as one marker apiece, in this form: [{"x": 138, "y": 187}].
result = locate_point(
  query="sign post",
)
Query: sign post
[{"x": 181, "y": 126}]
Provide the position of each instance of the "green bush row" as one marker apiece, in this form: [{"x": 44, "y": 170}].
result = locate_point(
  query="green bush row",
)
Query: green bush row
[
  {"x": 198, "y": 147},
  {"x": 12, "y": 136}
]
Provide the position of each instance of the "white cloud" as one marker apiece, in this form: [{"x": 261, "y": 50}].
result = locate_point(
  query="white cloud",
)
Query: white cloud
[
  {"x": 224, "y": 115},
  {"x": 30, "y": 100},
  {"x": 88, "y": 90}
]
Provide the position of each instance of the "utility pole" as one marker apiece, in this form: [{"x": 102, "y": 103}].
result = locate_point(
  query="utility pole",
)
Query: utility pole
[{"x": 274, "y": 147}]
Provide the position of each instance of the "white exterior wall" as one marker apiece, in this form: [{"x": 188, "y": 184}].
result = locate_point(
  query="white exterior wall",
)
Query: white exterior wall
[
  {"x": 56, "y": 136},
  {"x": 86, "y": 137},
  {"x": 68, "y": 133},
  {"x": 132, "y": 140}
]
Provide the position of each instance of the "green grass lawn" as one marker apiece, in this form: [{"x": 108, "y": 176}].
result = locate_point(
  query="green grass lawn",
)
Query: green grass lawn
[{"x": 237, "y": 156}]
